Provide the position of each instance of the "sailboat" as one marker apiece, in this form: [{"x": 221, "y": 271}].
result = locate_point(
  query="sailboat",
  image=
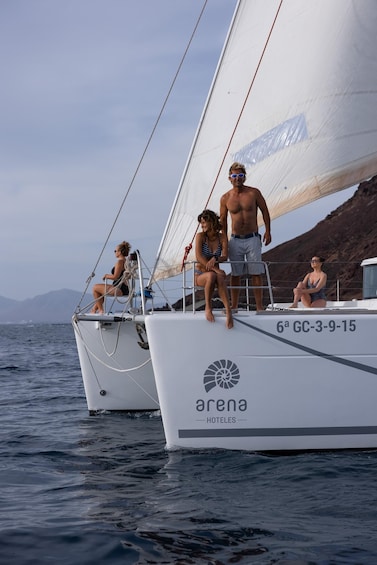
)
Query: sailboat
[
  {"x": 293, "y": 99},
  {"x": 113, "y": 349}
]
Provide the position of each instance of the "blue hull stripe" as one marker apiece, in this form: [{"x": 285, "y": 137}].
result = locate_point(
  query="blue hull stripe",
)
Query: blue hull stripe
[{"x": 278, "y": 432}]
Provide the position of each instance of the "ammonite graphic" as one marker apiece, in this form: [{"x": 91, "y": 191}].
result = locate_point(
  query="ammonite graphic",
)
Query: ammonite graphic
[{"x": 223, "y": 373}]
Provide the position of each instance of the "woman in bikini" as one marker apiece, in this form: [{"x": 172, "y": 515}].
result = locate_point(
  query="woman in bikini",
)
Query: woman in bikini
[
  {"x": 311, "y": 291},
  {"x": 117, "y": 288},
  {"x": 211, "y": 248}
]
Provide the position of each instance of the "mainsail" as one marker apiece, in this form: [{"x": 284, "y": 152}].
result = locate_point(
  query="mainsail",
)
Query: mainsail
[{"x": 294, "y": 98}]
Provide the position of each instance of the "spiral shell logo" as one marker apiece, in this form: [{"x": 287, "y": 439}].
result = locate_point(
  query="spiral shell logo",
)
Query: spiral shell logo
[{"x": 222, "y": 373}]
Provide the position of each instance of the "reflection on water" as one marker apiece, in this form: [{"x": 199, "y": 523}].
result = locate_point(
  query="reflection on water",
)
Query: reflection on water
[{"x": 219, "y": 506}]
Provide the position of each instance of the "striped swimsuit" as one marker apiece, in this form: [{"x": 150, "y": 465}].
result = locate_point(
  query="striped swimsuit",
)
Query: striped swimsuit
[{"x": 208, "y": 254}]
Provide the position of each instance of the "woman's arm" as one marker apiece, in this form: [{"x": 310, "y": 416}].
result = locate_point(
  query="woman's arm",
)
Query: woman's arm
[
  {"x": 198, "y": 249},
  {"x": 304, "y": 285}
]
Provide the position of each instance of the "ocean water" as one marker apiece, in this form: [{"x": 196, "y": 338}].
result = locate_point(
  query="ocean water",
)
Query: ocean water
[{"x": 80, "y": 489}]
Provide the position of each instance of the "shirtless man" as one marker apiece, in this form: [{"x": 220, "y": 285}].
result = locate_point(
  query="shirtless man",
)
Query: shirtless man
[{"x": 242, "y": 203}]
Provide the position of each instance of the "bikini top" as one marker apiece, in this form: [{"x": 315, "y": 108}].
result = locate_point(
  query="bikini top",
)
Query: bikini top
[{"x": 208, "y": 254}]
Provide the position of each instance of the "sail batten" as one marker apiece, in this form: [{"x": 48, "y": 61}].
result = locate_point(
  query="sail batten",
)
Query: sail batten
[{"x": 305, "y": 129}]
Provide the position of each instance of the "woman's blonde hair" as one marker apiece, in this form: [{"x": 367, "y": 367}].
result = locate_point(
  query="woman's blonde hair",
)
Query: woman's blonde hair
[{"x": 124, "y": 248}]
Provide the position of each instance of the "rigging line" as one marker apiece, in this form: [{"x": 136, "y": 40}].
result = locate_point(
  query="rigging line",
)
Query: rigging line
[
  {"x": 240, "y": 115},
  {"x": 111, "y": 367},
  {"x": 164, "y": 296},
  {"x": 88, "y": 352},
  {"x": 147, "y": 144}
]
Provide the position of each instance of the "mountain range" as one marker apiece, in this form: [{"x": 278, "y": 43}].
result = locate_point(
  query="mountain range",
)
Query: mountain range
[
  {"x": 345, "y": 237},
  {"x": 53, "y": 307}
]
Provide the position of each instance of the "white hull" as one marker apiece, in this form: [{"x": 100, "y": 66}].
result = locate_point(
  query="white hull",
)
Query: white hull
[
  {"x": 288, "y": 380},
  {"x": 116, "y": 368}
]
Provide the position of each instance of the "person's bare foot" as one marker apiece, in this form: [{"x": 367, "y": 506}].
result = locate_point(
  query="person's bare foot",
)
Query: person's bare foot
[
  {"x": 294, "y": 305},
  {"x": 229, "y": 320},
  {"x": 209, "y": 315},
  {"x": 97, "y": 311}
]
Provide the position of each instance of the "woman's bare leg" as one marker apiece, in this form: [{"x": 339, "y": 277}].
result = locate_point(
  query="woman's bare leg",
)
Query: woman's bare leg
[
  {"x": 207, "y": 281},
  {"x": 320, "y": 303},
  {"x": 297, "y": 295},
  {"x": 98, "y": 295},
  {"x": 208, "y": 292},
  {"x": 306, "y": 300},
  {"x": 223, "y": 293}
]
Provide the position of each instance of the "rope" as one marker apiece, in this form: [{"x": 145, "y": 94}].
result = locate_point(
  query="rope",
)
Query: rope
[
  {"x": 89, "y": 352},
  {"x": 75, "y": 325},
  {"x": 187, "y": 251},
  {"x": 88, "y": 281},
  {"x": 236, "y": 125},
  {"x": 108, "y": 353}
]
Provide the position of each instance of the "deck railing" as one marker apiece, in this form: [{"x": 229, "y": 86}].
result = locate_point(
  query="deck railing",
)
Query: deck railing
[
  {"x": 344, "y": 282},
  {"x": 248, "y": 288}
]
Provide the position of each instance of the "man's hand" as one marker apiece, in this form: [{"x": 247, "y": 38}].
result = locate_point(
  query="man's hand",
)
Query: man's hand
[{"x": 267, "y": 238}]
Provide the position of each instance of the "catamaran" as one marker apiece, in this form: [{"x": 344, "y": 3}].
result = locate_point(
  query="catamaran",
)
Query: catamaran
[{"x": 293, "y": 99}]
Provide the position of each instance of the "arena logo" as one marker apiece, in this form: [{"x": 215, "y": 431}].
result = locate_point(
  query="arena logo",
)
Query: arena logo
[{"x": 225, "y": 375}]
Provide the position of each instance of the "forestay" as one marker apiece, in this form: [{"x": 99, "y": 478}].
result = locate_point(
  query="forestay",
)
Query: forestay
[{"x": 294, "y": 98}]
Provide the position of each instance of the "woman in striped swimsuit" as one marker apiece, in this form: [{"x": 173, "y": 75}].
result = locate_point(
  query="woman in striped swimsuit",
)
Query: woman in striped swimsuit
[{"x": 211, "y": 248}]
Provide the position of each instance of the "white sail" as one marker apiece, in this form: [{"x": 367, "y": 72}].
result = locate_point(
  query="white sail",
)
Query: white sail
[{"x": 300, "y": 114}]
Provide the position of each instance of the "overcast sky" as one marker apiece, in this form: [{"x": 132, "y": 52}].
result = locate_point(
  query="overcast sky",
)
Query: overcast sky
[{"x": 82, "y": 83}]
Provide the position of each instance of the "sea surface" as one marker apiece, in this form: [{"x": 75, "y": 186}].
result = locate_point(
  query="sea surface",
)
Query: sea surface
[{"x": 80, "y": 489}]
